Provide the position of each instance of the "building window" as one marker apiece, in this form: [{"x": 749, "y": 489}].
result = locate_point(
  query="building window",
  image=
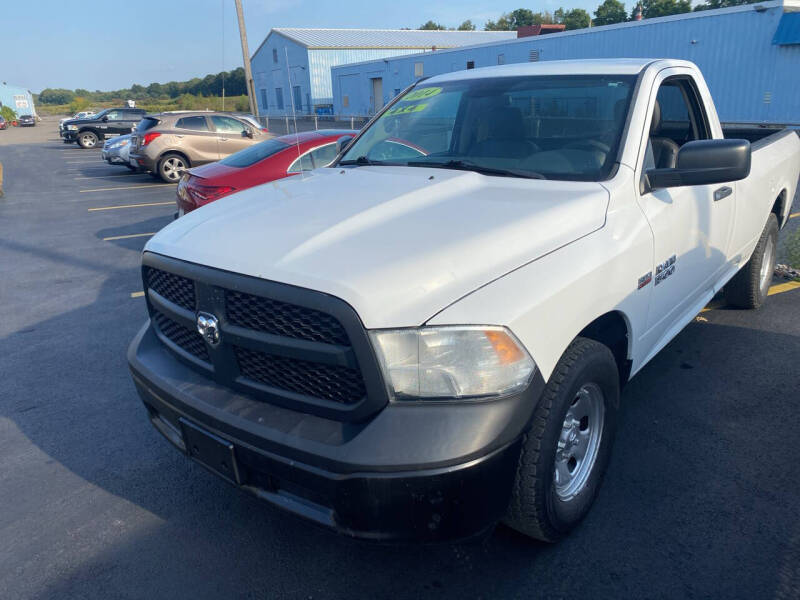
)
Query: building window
[
  {"x": 501, "y": 59},
  {"x": 298, "y": 98},
  {"x": 279, "y": 98},
  {"x": 275, "y": 55},
  {"x": 470, "y": 64},
  {"x": 396, "y": 92},
  {"x": 264, "y": 102},
  {"x": 345, "y": 101},
  {"x": 418, "y": 69}
]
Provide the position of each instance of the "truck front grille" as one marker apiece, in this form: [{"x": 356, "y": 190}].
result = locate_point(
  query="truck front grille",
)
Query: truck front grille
[
  {"x": 183, "y": 337},
  {"x": 279, "y": 343},
  {"x": 337, "y": 384}
]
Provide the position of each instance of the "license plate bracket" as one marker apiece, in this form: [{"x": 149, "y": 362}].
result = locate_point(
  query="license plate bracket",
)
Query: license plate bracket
[{"x": 214, "y": 453}]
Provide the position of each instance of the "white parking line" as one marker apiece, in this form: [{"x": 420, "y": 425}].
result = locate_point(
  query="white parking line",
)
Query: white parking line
[
  {"x": 127, "y": 237},
  {"x": 130, "y": 206},
  {"x": 128, "y": 187},
  {"x": 118, "y": 175}
]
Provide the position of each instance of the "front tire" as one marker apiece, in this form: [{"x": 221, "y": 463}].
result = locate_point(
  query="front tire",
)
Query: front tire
[
  {"x": 171, "y": 167},
  {"x": 87, "y": 139},
  {"x": 750, "y": 286},
  {"x": 567, "y": 449}
]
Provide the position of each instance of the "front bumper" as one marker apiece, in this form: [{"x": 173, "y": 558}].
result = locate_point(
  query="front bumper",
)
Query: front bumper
[
  {"x": 414, "y": 471},
  {"x": 70, "y": 135}
]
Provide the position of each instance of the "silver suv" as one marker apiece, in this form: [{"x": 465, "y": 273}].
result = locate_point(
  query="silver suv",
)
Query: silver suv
[{"x": 169, "y": 143}]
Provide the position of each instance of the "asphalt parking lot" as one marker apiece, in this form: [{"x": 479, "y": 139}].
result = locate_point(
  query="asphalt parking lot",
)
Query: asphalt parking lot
[{"x": 700, "y": 499}]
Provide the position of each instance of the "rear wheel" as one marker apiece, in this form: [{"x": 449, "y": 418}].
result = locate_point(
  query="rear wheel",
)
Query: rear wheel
[
  {"x": 87, "y": 139},
  {"x": 567, "y": 448},
  {"x": 171, "y": 167},
  {"x": 750, "y": 286}
]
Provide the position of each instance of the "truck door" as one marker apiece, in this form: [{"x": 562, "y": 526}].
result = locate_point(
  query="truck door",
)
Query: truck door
[{"x": 691, "y": 224}]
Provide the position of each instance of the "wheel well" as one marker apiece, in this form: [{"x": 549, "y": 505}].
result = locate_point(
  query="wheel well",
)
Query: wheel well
[
  {"x": 611, "y": 330},
  {"x": 181, "y": 154},
  {"x": 778, "y": 207}
]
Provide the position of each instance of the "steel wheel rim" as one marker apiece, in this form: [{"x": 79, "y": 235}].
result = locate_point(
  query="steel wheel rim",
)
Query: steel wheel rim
[
  {"x": 88, "y": 140},
  {"x": 173, "y": 167},
  {"x": 766, "y": 266},
  {"x": 579, "y": 441}
]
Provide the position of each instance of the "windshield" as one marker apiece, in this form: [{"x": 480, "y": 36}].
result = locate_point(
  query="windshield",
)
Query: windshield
[
  {"x": 101, "y": 114},
  {"x": 253, "y": 154},
  {"x": 544, "y": 127}
]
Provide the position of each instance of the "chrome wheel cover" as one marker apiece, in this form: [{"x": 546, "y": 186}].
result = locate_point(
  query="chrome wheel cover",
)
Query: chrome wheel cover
[
  {"x": 579, "y": 441},
  {"x": 173, "y": 168}
]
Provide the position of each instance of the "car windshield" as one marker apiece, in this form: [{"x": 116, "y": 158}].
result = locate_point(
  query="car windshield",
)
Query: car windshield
[
  {"x": 543, "y": 127},
  {"x": 253, "y": 154}
]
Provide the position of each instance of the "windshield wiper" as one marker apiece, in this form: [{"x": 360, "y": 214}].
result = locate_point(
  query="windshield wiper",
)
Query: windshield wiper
[
  {"x": 467, "y": 165},
  {"x": 361, "y": 160}
]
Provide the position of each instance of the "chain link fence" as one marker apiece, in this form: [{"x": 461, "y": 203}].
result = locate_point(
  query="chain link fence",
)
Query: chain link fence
[{"x": 289, "y": 124}]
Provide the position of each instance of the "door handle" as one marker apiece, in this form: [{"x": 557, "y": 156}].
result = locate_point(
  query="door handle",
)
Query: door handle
[
  {"x": 722, "y": 192},
  {"x": 179, "y": 136},
  {"x": 223, "y": 139}
]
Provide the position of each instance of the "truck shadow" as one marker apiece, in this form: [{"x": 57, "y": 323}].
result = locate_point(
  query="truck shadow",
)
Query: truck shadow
[{"x": 689, "y": 503}]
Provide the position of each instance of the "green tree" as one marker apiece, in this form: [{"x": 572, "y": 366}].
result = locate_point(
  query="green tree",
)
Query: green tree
[
  {"x": 8, "y": 113},
  {"x": 610, "y": 12},
  {"x": 78, "y": 104},
  {"x": 431, "y": 26},
  {"x": 577, "y": 18},
  {"x": 722, "y": 4},
  {"x": 82, "y": 92},
  {"x": 466, "y": 26},
  {"x": 663, "y": 8},
  {"x": 56, "y": 96},
  {"x": 515, "y": 19}
]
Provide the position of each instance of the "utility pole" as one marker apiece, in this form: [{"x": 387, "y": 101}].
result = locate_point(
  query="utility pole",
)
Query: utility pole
[{"x": 248, "y": 74}]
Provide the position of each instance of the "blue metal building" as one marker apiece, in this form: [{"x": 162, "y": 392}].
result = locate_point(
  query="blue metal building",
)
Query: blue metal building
[
  {"x": 19, "y": 99},
  {"x": 305, "y": 56},
  {"x": 750, "y": 56}
]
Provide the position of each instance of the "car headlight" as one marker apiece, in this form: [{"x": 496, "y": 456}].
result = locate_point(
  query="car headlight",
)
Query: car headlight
[
  {"x": 452, "y": 362},
  {"x": 120, "y": 144},
  {"x": 72, "y": 127}
]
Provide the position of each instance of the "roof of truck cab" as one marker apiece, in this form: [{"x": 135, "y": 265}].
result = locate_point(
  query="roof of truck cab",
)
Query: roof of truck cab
[{"x": 605, "y": 66}]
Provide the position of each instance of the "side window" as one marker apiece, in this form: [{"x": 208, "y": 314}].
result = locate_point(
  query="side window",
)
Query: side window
[
  {"x": 193, "y": 123},
  {"x": 303, "y": 163},
  {"x": 677, "y": 118},
  {"x": 324, "y": 155},
  {"x": 115, "y": 115},
  {"x": 279, "y": 98},
  {"x": 227, "y": 125}
]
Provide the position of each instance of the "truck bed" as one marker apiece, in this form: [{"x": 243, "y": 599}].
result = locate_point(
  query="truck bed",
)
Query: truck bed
[{"x": 753, "y": 133}]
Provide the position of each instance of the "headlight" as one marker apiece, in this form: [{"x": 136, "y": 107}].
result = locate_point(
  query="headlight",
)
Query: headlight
[
  {"x": 120, "y": 144},
  {"x": 452, "y": 362},
  {"x": 72, "y": 127}
]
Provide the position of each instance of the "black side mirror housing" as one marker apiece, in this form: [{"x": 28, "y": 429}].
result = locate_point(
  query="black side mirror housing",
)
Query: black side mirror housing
[
  {"x": 342, "y": 143},
  {"x": 105, "y": 119},
  {"x": 248, "y": 133},
  {"x": 703, "y": 162}
]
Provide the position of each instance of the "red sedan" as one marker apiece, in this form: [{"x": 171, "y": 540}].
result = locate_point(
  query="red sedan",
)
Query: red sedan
[{"x": 270, "y": 160}]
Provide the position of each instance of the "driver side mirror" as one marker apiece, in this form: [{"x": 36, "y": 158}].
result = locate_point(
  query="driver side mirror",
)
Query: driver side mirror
[
  {"x": 342, "y": 143},
  {"x": 105, "y": 119},
  {"x": 247, "y": 133},
  {"x": 703, "y": 162}
]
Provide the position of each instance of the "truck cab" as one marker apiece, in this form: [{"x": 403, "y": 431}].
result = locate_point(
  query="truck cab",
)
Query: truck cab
[{"x": 87, "y": 132}]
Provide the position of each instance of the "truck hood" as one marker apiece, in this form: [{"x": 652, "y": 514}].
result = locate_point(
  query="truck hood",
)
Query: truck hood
[{"x": 399, "y": 244}]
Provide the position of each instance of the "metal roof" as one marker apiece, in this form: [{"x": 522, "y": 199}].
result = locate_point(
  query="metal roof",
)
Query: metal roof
[{"x": 389, "y": 38}]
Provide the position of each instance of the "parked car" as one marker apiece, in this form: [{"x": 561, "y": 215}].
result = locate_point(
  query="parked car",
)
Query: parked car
[
  {"x": 116, "y": 151},
  {"x": 3, "y": 123},
  {"x": 84, "y": 114},
  {"x": 430, "y": 336},
  {"x": 261, "y": 163},
  {"x": 111, "y": 121},
  {"x": 26, "y": 121},
  {"x": 169, "y": 143}
]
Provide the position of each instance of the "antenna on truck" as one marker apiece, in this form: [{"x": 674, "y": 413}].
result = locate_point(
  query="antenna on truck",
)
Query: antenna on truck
[{"x": 294, "y": 115}]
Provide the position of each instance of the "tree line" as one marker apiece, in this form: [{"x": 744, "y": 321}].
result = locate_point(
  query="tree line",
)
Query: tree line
[
  {"x": 208, "y": 86},
  {"x": 607, "y": 13}
]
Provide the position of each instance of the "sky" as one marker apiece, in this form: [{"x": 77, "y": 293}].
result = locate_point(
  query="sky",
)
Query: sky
[{"x": 108, "y": 45}]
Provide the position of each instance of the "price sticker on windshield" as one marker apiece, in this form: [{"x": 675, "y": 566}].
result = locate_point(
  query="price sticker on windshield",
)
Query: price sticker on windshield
[
  {"x": 404, "y": 110},
  {"x": 421, "y": 94}
]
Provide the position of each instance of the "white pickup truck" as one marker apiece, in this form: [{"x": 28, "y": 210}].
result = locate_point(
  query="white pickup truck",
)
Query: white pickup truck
[{"x": 431, "y": 335}]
